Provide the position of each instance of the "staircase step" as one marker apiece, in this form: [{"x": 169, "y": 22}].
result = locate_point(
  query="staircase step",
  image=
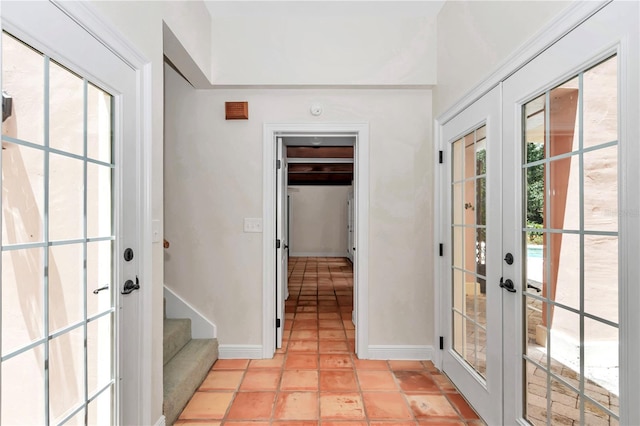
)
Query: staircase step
[
  {"x": 184, "y": 373},
  {"x": 177, "y": 333}
]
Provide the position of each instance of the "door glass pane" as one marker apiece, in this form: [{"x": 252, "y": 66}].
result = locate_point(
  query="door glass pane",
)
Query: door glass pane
[
  {"x": 98, "y": 201},
  {"x": 22, "y": 194},
  {"x": 469, "y": 248},
  {"x": 99, "y": 353},
  {"x": 572, "y": 199},
  {"x": 534, "y": 124},
  {"x": 100, "y": 410},
  {"x": 601, "y": 368},
  {"x": 601, "y": 189},
  {"x": 66, "y": 198},
  {"x": 66, "y": 110},
  {"x": 600, "y": 94},
  {"x": 565, "y": 403},
  {"x": 98, "y": 124},
  {"x": 66, "y": 373},
  {"x": 22, "y": 298},
  {"x": 66, "y": 286},
  {"x": 22, "y": 81},
  {"x": 99, "y": 275},
  {"x": 535, "y": 394},
  {"x": 23, "y": 385},
  {"x": 563, "y": 118}
]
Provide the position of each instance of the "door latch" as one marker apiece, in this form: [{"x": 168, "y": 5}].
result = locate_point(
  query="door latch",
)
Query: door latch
[
  {"x": 130, "y": 286},
  {"x": 507, "y": 285}
]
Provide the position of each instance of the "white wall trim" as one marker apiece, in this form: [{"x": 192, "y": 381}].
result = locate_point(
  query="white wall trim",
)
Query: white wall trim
[
  {"x": 88, "y": 17},
  {"x": 177, "y": 307},
  {"x": 361, "y": 264},
  {"x": 575, "y": 14},
  {"x": 319, "y": 254},
  {"x": 162, "y": 421},
  {"x": 240, "y": 351},
  {"x": 401, "y": 352}
]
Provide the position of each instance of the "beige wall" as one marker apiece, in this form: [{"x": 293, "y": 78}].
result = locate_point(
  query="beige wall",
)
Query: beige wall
[
  {"x": 318, "y": 220},
  {"x": 141, "y": 22},
  {"x": 475, "y": 37},
  {"x": 213, "y": 177}
]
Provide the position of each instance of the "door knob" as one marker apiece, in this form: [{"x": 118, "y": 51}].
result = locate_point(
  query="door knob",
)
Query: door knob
[
  {"x": 507, "y": 285},
  {"x": 130, "y": 286}
]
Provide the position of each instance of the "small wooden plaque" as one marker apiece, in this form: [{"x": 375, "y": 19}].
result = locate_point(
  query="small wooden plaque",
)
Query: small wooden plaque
[{"x": 236, "y": 110}]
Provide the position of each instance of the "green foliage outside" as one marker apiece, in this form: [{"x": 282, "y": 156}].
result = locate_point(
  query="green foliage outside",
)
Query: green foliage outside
[{"x": 535, "y": 191}]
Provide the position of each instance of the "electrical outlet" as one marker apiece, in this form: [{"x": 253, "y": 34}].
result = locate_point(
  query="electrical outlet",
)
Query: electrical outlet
[{"x": 252, "y": 224}]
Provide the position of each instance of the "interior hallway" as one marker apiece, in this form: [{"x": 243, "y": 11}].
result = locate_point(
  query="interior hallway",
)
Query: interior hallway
[{"x": 316, "y": 377}]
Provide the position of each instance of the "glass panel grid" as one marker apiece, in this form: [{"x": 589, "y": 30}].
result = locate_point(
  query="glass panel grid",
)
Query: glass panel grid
[
  {"x": 468, "y": 189},
  {"x": 591, "y": 340},
  {"x": 101, "y": 118}
]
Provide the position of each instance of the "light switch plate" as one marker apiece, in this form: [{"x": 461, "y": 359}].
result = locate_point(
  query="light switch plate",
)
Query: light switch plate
[{"x": 252, "y": 224}]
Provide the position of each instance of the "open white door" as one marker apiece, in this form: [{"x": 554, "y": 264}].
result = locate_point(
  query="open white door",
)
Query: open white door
[
  {"x": 282, "y": 247},
  {"x": 350, "y": 225},
  {"x": 471, "y": 184}
]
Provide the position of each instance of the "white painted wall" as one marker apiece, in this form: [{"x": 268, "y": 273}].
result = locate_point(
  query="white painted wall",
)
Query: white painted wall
[
  {"x": 213, "y": 177},
  {"x": 318, "y": 220},
  {"x": 344, "y": 43},
  {"x": 475, "y": 37},
  {"x": 141, "y": 22}
]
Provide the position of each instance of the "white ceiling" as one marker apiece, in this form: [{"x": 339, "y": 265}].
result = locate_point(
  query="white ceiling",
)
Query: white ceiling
[{"x": 327, "y": 8}]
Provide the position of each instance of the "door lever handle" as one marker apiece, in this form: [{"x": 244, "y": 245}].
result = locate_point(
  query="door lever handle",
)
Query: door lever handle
[
  {"x": 130, "y": 286},
  {"x": 98, "y": 290},
  {"x": 507, "y": 285}
]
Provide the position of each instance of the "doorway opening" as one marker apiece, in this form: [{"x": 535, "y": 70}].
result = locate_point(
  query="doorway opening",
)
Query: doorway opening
[
  {"x": 315, "y": 179},
  {"x": 312, "y": 162}
]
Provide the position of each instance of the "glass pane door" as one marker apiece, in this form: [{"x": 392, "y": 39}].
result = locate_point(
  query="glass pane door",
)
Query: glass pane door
[
  {"x": 472, "y": 355},
  {"x": 570, "y": 162},
  {"x": 57, "y": 280},
  {"x": 570, "y": 302}
]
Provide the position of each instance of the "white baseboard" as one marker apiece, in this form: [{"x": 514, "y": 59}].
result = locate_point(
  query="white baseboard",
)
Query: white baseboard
[
  {"x": 318, "y": 254},
  {"x": 401, "y": 352},
  {"x": 177, "y": 307},
  {"x": 162, "y": 421},
  {"x": 240, "y": 351}
]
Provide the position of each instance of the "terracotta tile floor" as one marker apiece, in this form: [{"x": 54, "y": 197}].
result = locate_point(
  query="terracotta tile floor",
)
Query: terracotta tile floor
[{"x": 316, "y": 377}]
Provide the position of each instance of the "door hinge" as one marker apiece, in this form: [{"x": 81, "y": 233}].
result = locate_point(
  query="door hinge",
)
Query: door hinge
[
  {"x": 277, "y": 322},
  {"x": 277, "y": 244},
  {"x": 441, "y": 342},
  {"x": 440, "y": 157},
  {"x": 441, "y": 249},
  {"x": 278, "y": 164}
]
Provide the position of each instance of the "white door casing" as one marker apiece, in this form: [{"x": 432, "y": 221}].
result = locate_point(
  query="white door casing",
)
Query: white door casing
[
  {"x": 73, "y": 35},
  {"x": 361, "y": 185}
]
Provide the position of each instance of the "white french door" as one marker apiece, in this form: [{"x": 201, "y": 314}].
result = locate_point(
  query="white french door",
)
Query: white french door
[
  {"x": 69, "y": 210},
  {"x": 570, "y": 220},
  {"x": 561, "y": 234},
  {"x": 472, "y": 302}
]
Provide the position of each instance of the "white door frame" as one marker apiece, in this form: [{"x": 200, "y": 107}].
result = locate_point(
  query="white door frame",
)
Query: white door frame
[
  {"x": 361, "y": 267},
  {"x": 89, "y": 19}
]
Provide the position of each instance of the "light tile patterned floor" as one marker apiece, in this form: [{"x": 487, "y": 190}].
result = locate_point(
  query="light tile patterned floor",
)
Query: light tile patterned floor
[{"x": 316, "y": 378}]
